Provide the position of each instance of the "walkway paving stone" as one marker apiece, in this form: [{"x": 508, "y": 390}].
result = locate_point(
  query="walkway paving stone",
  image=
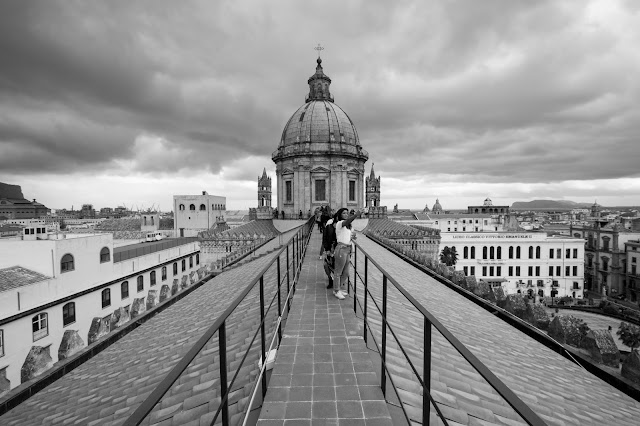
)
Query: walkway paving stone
[{"x": 323, "y": 373}]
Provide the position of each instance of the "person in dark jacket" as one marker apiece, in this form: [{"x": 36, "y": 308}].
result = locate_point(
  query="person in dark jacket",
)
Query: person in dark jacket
[{"x": 328, "y": 245}]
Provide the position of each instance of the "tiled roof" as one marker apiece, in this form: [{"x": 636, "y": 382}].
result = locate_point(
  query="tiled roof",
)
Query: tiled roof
[
  {"x": 559, "y": 391},
  {"x": 17, "y": 276},
  {"x": 390, "y": 229},
  {"x": 107, "y": 389},
  {"x": 254, "y": 229}
]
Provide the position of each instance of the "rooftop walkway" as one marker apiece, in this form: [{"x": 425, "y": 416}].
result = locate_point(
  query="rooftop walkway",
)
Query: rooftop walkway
[{"x": 323, "y": 370}]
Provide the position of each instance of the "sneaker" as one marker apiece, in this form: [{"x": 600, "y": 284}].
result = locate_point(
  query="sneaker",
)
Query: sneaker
[{"x": 338, "y": 294}]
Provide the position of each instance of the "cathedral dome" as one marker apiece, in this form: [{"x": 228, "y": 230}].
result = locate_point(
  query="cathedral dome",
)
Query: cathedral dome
[{"x": 319, "y": 121}]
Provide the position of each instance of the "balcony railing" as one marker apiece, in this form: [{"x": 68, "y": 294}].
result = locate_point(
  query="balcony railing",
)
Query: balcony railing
[
  {"x": 361, "y": 304},
  {"x": 294, "y": 251}
]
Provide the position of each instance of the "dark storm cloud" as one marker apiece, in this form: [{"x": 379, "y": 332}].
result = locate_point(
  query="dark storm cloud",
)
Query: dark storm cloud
[{"x": 488, "y": 91}]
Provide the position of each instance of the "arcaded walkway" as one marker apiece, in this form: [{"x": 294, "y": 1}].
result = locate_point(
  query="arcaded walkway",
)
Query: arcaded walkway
[{"x": 323, "y": 370}]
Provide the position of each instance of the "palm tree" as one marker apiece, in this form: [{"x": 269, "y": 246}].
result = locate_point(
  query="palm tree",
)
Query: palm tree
[{"x": 449, "y": 256}]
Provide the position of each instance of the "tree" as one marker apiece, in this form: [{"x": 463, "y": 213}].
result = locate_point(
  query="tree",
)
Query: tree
[
  {"x": 449, "y": 256},
  {"x": 630, "y": 335}
]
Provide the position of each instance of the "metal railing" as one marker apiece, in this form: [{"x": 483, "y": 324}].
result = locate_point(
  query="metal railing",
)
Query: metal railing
[
  {"x": 294, "y": 253},
  {"x": 119, "y": 256},
  {"x": 429, "y": 323}
]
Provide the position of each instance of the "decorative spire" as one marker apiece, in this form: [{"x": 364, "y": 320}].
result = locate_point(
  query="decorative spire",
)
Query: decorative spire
[
  {"x": 372, "y": 175},
  {"x": 319, "y": 83},
  {"x": 264, "y": 173}
]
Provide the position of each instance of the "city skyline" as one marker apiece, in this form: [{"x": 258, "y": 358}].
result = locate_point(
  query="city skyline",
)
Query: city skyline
[{"x": 131, "y": 104}]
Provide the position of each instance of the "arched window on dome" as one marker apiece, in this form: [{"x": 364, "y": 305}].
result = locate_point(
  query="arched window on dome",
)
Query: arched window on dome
[{"x": 192, "y": 207}]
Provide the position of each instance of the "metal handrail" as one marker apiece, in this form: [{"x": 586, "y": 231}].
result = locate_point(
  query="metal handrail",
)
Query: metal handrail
[
  {"x": 429, "y": 320},
  {"x": 219, "y": 326}
]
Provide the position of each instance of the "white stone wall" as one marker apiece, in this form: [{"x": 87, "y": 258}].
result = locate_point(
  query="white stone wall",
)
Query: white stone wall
[{"x": 523, "y": 240}]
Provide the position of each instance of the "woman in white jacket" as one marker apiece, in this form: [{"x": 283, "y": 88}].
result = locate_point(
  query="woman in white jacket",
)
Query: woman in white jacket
[{"x": 342, "y": 253}]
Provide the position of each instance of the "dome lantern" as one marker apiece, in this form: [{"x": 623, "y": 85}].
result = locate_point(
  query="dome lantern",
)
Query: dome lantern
[{"x": 319, "y": 85}]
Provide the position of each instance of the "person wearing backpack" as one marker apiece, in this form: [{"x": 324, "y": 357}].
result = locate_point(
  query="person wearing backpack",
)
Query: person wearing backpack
[{"x": 342, "y": 252}]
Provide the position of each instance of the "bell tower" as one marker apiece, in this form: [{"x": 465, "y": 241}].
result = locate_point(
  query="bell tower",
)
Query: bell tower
[
  {"x": 373, "y": 189},
  {"x": 264, "y": 190}
]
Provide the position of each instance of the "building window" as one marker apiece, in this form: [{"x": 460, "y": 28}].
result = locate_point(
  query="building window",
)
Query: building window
[
  {"x": 518, "y": 252},
  {"x": 538, "y": 252},
  {"x": 184, "y": 265},
  {"x": 288, "y": 190},
  {"x": 473, "y": 253},
  {"x": 465, "y": 252},
  {"x": 559, "y": 253},
  {"x": 124, "y": 290},
  {"x": 181, "y": 207},
  {"x": 352, "y": 190},
  {"x": 575, "y": 271},
  {"x": 320, "y": 186},
  {"x": 499, "y": 253},
  {"x": 484, "y": 271},
  {"x": 558, "y": 270},
  {"x": 197, "y": 258},
  {"x": 510, "y": 271},
  {"x": 575, "y": 253},
  {"x": 192, "y": 207},
  {"x": 590, "y": 261},
  {"x": 490, "y": 271},
  {"x": 551, "y": 253},
  {"x": 202, "y": 207},
  {"x": 152, "y": 278},
  {"x": 530, "y": 271},
  {"x": 140, "y": 283},
  {"x": 605, "y": 264},
  {"x": 1, "y": 343},
  {"x": 190, "y": 261},
  {"x": 530, "y": 252},
  {"x": 550, "y": 271},
  {"x": 491, "y": 252},
  {"x": 175, "y": 268},
  {"x": 605, "y": 243},
  {"x": 473, "y": 270},
  {"x": 517, "y": 271},
  {"x": 567, "y": 271},
  {"x": 498, "y": 271},
  {"x": 68, "y": 313},
  {"x": 537, "y": 271},
  {"x": 40, "y": 326},
  {"x": 466, "y": 270},
  {"x": 511, "y": 252},
  {"x": 66, "y": 264},
  {"x": 164, "y": 273},
  {"x": 105, "y": 255},
  {"x": 106, "y": 298},
  {"x": 484, "y": 252},
  {"x": 568, "y": 255}
]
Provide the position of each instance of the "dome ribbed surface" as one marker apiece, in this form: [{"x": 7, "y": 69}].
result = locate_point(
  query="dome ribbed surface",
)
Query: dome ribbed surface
[{"x": 319, "y": 121}]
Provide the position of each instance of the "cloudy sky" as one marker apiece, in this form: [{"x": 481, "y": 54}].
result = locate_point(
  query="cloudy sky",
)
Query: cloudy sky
[{"x": 135, "y": 101}]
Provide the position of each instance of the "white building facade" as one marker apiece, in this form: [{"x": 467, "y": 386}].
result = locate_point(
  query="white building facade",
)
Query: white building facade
[
  {"x": 49, "y": 287},
  {"x": 521, "y": 262},
  {"x": 195, "y": 213}
]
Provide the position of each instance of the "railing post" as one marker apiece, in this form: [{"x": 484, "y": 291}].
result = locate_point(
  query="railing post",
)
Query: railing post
[
  {"x": 426, "y": 373},
  {"x": 279, "y": 303},
  {"x": 355, "y": 277},
  {"x": 222, "y": 347},
  {"x": 288, "y": 285},
  {"x": 384, "y": 336},
  {"x": 366, "y": 296},
  {"x": 263, "y": 337}
]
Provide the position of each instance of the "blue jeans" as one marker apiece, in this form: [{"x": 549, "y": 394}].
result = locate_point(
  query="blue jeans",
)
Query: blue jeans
[{"x": 342, "y": 255}]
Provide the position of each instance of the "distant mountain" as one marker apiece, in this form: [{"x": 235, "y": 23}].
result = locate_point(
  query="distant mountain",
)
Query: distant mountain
[
  {"x": 548, "y": 205},
  {"x": 11, "y": 191}
]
